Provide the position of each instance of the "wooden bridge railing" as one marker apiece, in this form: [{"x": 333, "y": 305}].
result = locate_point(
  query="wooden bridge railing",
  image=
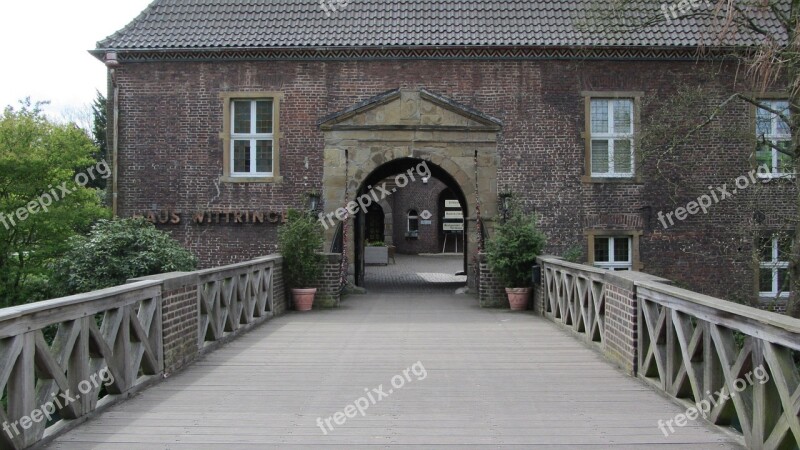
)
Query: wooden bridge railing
[
  {"x": 53, "y": 355},
  {"x": 733, "y": 365},
  {"x": 736, "y": 365},
  {"x": 64, "y": 359},
  {"x": 233, "y": 298}
]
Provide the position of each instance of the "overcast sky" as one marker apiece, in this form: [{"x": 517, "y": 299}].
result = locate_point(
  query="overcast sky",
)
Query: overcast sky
[{"x": 45, "y": 45}]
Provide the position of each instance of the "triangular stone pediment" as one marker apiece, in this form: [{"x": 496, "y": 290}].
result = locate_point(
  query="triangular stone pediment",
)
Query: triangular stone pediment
[{"x": 410, "y": 110}]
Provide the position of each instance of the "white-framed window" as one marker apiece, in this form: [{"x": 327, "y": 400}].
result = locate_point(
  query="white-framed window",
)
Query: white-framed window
[
  {"x": 773, "y": 274},
  {"x": 252, "y": 138},
  {"x": 413, "y": 222},
  {"x": 773, "y": 135},
  {"x": 613, "y": 252},
  {"x": 612, "y": 153}
]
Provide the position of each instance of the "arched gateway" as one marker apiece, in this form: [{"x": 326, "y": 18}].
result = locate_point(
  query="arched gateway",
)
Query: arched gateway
[{"x": 399, "y": 135}]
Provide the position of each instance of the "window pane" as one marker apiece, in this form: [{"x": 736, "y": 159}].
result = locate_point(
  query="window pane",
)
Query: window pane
[
  {"x": 622, "y": 157},
  {"x": 783, "y": 280},
  {"x": 765, "y": 280},
  {"x": 784, "y": 248},
  {"x": 783, "y": 107},
  {"x": 241, "y": 117},
  {"x": 241, "y": 156},
  {"x": 599, "y": 156},
  {"x": 622, "y": 116},
  {"x": 621, "y": 250},
  {"x": 784, "y": 157},
  {"x": 765, "y": 249},
  {"x": 601, "y": 249},
  {"x": 763, "y": 122},
  {"x": 599, "y": 116},
  {"x": 263, "y": 156},
  {"x": 764, "y": 156},
  {"x": 413, "y": 224},
  {"x": 264, "y": 116}
]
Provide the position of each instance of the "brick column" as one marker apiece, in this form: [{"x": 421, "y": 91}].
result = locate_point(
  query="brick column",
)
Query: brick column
[
  {"x": 329, "y": 286},
  {"x": 491, "y": 293},
  {"x": 621, "y": 324},
  {"x": 179, "y": 315}
]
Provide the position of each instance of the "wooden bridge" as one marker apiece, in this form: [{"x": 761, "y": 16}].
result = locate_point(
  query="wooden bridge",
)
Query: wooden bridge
[{"x": 212, "y": 359}]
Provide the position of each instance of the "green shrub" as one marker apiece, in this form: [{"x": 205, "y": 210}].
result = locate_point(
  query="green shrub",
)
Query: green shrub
[
  {"x": 573, "y": 254},
  {"x": 513, "y": 249},
  {"x": 115, "y": 251},
  {"x": 299, "y": 241}
]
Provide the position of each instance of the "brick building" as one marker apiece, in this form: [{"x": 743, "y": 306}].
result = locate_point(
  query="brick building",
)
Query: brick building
[{"x": 228, "y": 115}]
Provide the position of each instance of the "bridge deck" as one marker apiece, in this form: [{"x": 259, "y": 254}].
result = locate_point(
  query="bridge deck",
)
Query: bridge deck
[{"x": 494, "y": 379}]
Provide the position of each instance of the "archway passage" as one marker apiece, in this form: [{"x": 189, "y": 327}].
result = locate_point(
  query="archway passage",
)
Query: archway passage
[
  {"x": 375, "y": 224},
  {"x": 412, "y": 188},
  {"x": 390, "y": 135}
]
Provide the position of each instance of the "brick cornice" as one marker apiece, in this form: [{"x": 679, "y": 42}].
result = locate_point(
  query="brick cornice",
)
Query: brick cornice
[{"x": 446, "y": 53}]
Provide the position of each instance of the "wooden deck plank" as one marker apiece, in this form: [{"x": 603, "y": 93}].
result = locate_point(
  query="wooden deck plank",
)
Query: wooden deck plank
[{"x": 494, "y": 379}]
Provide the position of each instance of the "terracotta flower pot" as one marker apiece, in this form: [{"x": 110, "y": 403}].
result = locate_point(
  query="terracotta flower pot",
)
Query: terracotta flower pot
[
  {"x": 303, "y": 298},
  {"x": 518, "y": 298}
]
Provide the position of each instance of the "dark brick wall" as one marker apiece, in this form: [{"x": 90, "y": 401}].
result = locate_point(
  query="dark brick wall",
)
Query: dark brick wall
[
  {"x": 171, "y": 152},
  {"x": 621, "y": 326},
  {"x": 420, "y": 197},
  {"x": 491, "y": 292},
  {"x": 179, "y": 316},
  {"x": 280, "y": 301},
  {"x": 329, "y": 287}
]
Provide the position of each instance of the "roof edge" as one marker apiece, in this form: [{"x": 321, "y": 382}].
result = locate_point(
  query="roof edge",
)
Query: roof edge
[
  {"x": 418, "y": 52},
  {"x": 142, "y": 15}
]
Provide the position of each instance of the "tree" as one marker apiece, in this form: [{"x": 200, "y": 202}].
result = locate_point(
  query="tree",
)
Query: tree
[
  {"x": 763, "y": 37},
  {"x": 99, "y": 126},
  {"x": 42, "y": 200},
  {"x": 116, "y": 251}
]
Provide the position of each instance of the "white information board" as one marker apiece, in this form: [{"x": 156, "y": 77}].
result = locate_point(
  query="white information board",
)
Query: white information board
[{"x": 453, "y": 226}]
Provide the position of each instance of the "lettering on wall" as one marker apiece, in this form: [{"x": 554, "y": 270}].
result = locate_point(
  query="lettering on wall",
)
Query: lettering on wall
[{"x": 172, "y": 217}]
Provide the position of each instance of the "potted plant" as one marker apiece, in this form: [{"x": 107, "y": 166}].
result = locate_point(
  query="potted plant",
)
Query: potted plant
[
  {"x": 299, "y": 241},
  {"x": 376, "y": 252},
  {"x": 511, "y": 253}
]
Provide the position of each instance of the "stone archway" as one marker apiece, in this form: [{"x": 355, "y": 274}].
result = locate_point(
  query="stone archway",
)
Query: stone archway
[{"x": 397, "y": 125}]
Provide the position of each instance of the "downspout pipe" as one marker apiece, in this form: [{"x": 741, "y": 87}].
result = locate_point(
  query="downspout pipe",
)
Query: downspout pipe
[{"x": 112, "y": 63}]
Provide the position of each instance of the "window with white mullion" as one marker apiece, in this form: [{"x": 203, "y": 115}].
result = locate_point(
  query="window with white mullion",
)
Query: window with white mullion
[
  {"x": 775, "y": 140},
  {"x": 612, "y": 137},
  {"x": 774, "y": 266},
  {"x": 252, "y": 140},
  {"x": 613, "y": 253}
]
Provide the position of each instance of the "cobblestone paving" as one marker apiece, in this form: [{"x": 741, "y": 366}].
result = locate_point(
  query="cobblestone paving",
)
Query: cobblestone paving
[{"x": 417, "y": 274}]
